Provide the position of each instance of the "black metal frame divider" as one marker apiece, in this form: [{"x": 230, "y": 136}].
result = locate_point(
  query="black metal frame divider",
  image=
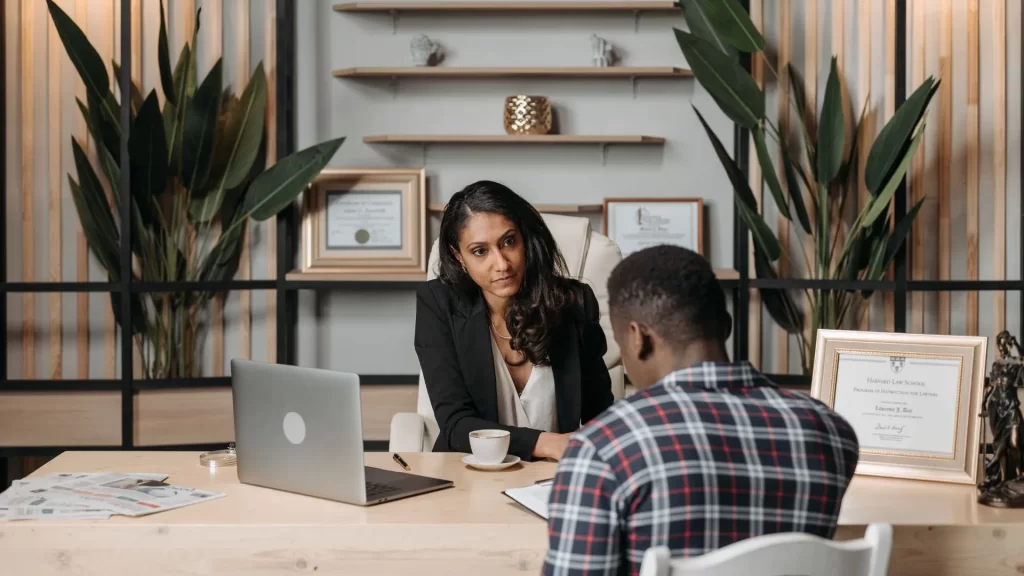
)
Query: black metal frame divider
[{"x": 287, "y": 244}]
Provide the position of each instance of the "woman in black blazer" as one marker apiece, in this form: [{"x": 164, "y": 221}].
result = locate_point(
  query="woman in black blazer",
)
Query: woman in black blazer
[{"x": 503, "y": 287}]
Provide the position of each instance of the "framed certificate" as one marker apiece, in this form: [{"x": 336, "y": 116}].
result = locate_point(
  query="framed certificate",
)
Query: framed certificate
[
  {"x": 365, "y": 220},
  {"x": 914, "y": 400},
  {"x": 636, "y": 223}
]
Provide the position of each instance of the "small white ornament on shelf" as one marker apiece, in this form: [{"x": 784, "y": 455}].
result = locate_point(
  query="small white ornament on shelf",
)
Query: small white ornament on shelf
[
  {"x": 424, "y": 50},
  {"x": 602, "y": 54}
]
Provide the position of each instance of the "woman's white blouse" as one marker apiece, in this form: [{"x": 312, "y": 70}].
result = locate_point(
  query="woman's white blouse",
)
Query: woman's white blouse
[{"x": 535, "y": 407}]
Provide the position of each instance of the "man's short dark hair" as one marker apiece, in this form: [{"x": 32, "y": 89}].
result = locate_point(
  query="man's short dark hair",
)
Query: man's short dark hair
[{"x": 673, "y": 290}]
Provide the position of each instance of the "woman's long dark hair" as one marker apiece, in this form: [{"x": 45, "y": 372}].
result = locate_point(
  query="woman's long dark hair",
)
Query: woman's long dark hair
[{"x": 546, "y": 291}]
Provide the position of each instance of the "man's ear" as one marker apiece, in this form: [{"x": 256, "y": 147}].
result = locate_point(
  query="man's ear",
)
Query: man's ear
[
  {"x": 642, "y": 341},
  {"x": 728, "y": 327}
]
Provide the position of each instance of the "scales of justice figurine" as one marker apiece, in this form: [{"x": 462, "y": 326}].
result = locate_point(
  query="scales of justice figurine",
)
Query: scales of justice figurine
[{"x": 1003, "y": 483}]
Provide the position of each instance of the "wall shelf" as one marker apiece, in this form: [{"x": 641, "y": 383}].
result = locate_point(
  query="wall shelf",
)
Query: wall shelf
[
  {"x": 393, "y": 7},
  {"x": 549, "y": 208},
  {"x": 513, "y": 72},
  {"x": 427, "y": 139},
  {"x": 356, "y": 277}
]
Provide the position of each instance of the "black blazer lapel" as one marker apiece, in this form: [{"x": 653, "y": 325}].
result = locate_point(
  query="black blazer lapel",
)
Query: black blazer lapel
[
  {"x": 473, "y": 341},
  {"x": 565, "y": 366}
]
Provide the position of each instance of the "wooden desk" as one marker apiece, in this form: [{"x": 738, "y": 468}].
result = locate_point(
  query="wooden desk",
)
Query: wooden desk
[{"x": 469, "y": 529}]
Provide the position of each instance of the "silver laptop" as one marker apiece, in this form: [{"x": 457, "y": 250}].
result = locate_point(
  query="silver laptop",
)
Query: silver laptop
[{"x": 300, "y": 430}]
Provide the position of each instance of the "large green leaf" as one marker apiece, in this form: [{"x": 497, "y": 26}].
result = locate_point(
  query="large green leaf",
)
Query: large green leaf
[
  {"x": 894, "y": 138},
  {"x": 244, "y": 132},
  {"x": 831, "y": 131},
  {"x": 100, "y": 243},
  {"x": 88, "y": 63},
  {"x": 764, "y": 238},
  {"x": 732, "y": 87},
  {"x": 109, "y": 133},
  {"x": 699, "y": 24},
  {"x": 164, "y": 59},
  {"x": 850, "y": 164},
  {"x": 177, "y": 122},
  {"x": 768, "y": 171},
  {"x": 796, "y": 89},
  {"x": 148, "y": 145},
  {"x": 880, "y": 203},
  {"x": 136, "y": 94},
  {"x": 96, "y": 213},
  {"x": 733, "y": 22},
  {"x": 793, "y": 186},
  {"x": 200, "y": 130},
  {"x": 280, "y": 185},
  {"x": 780, "y": 306},
  {"x": 899, "y": 233},
  {"x": 736, "y": 176}
]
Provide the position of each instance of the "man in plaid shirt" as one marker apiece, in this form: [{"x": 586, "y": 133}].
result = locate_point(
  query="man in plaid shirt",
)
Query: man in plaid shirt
[{"x": 710, "y": 454}]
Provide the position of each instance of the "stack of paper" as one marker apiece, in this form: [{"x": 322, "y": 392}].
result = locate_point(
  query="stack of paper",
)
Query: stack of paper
[
  {"x": 533, "y": 497},
  {"x": 95, "y": 495}
]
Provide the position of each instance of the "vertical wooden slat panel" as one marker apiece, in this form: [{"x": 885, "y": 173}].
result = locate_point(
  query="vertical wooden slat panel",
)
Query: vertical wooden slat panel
[
  {"x": 271, "y": 63},
  {"x": 867, "y": 130},
  {"x": 837, "y": 232},
  {"x": 811, "y": 95},
  {"x": 754, "y": 323},
  {"x": 998, "y": 33},
  {"x": 889, "y": 111},
  {"x": 82, "y": 247},
  {"x": 188, "y": 12},
  {"x": 242, "y": 15},
  {"x": 973, "y": 66},
  {"x": 214, "y": 9},
  {"x": 54, "y": 180},
  {"x": 917, "y": 184},
  {"x": 28, "y": 97},
  {"x": 781, "y": 336},
  {"x": 945, "y": 156},
  {"x": 136, "y": 73}
]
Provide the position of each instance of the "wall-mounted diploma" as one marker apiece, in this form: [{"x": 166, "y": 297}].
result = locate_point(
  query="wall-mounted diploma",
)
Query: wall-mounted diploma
[
  {"x": 635, "y": 224},
  {"x": 364, "y": 220},
  {"x": 900, "y": 404}
]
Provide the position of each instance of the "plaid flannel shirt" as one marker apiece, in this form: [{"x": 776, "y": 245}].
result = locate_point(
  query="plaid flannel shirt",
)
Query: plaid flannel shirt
[{"x": 710, "y": 455}]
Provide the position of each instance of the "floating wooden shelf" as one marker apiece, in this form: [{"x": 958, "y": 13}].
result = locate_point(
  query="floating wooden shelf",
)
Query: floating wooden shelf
[
  {"x": 513, "y": 72},
  {"x": 657, "y": 6},
  {"x": 727, "y": 274},
  {"x": 357, "y": 277},
  {"x": 509, "y": 139},
  {"x": 549, "y": 208}
]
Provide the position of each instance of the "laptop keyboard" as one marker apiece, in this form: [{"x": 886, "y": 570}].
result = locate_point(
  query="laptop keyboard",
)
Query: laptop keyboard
[{"x": 374, "y": 489}]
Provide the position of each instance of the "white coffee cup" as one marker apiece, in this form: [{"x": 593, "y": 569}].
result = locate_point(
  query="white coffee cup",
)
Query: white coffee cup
[{"x": 489, "y": 446}]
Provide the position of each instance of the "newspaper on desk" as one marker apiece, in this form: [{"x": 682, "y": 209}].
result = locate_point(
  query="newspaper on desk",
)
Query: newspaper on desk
[{"x": 96, "y": 496}]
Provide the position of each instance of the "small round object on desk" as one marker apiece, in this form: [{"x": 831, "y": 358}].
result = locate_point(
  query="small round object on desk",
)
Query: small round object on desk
[
  {"x": 219, "y": 458},
  {"x": 509, "y": 460}
]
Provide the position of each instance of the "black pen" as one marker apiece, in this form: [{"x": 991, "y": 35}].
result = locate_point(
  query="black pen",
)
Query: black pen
[{"x": 401, "y": 462}]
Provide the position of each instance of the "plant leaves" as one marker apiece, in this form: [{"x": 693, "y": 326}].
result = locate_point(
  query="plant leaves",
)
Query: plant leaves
[
  {"x": 831, "y": 131},
  {"x": 200, "y": 130},
  {"x": 95, "y": 238},
  {"x": 245, "y": 133},
  {"x": 768, "y": 171},
  {"x": 88, "y": 63},
  {"x": 177, "y": 123},
  {"x": 136, "y": 95},
  {"x": 851, "y": 158},
  {"x": 764, "y": 238},
  {"x": 793, "y": 187},
  {"x": 164, "y": 60},
  {"x": 280, "y": 185},
  {"x": 148, "y": 160},
  {"x": 778, "y": 302},
  {"x": 796, "y": 85},
  {"x": 699, "y": 24},
  {"x": 880, "y": 203},
  {"x": 894, "y": 138},
  {"x": 899, "y": 233},
  {"x": 733, "y": 22},
  {"x": 106, "y": 237},
  {"x": 731, "y": 86},
  {"x": 107, "y": 134}
]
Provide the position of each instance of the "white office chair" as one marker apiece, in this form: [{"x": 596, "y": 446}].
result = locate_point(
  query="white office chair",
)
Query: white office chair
[
  {"x": 590, "y": 258},
  {"x": 781, "y": 555}
]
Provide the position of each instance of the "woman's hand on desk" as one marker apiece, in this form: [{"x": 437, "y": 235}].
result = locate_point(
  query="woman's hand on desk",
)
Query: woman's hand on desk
[{"x": 551, "y": 445}]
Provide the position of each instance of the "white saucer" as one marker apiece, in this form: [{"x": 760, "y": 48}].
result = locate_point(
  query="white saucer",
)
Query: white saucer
[{"x": 510, "y": 460}]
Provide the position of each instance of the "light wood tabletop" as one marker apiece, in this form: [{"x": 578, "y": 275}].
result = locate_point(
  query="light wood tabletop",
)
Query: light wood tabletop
[{"x": 469, "y": 529}]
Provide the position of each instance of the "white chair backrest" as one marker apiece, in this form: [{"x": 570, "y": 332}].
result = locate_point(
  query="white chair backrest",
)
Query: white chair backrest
[
  {"x": 787, "y": 554},
  {"x": 590, "y": 258}
]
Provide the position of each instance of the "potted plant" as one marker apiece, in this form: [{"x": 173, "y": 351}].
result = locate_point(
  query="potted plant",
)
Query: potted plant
[
  {"x": 825, "y": 168},
  {"x": 195, "y": 161}
]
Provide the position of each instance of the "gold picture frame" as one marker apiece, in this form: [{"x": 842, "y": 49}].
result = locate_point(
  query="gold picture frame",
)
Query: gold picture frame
[
  {"x": 365, "y": 221},
  {"x": 914, "y": 399},
  {"x": 694, "y": 229}
]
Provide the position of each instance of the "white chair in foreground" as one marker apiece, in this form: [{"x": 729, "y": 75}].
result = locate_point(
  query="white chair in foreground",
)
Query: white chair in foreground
[
  {"x": 590, "y": 258},
  {"x": 785, "y": 554}
]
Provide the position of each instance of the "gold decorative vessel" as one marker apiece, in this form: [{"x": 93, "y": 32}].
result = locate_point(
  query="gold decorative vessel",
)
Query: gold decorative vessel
[{"x": 527, "y": 115}]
